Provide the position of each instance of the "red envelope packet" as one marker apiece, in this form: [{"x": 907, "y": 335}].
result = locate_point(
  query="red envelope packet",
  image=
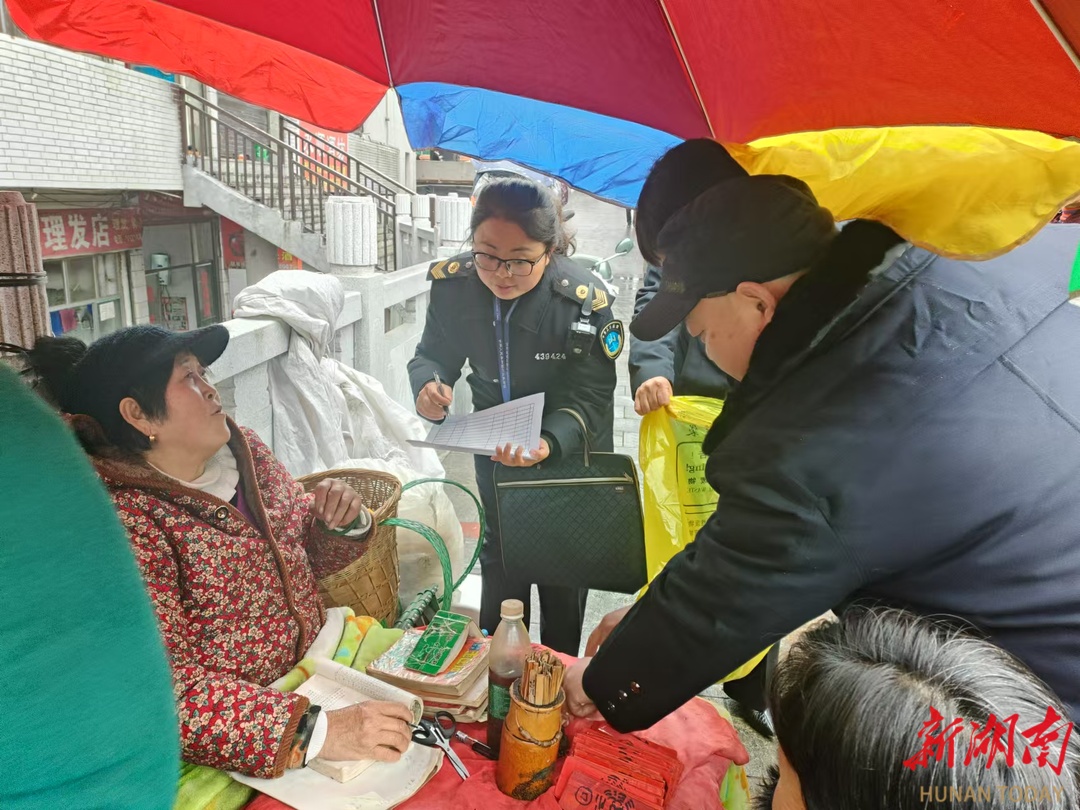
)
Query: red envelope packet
[{"x": 581, "y": 787}]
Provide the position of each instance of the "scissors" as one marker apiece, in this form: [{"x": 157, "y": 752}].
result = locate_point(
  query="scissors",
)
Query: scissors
[{"x": 437, "y": 733}]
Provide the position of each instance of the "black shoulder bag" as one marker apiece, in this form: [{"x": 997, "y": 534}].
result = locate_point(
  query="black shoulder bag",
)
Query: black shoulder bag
[{"x": 574, "y": 522}]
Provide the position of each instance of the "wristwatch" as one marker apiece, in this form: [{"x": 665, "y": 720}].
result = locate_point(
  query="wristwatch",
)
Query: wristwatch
[{"x": 298, "y": 756}]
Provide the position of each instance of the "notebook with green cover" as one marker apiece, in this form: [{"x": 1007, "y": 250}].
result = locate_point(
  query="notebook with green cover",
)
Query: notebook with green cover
[{"x": 441, "y": 643}]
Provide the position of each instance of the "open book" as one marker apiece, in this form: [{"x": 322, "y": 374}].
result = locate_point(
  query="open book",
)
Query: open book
[{"x": 329, "y": 785}]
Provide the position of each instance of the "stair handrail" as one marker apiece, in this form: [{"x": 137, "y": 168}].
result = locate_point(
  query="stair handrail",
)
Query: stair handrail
[
  {"x": 348, "y": 156},
  {"x": 346, "y": 182}
]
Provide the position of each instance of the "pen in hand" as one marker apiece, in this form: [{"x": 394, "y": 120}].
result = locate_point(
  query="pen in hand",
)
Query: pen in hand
[{"x": 439, "y": 385}]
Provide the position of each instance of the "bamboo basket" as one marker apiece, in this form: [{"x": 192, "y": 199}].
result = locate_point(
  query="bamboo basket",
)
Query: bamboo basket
[{"x": 370, "y": 585}]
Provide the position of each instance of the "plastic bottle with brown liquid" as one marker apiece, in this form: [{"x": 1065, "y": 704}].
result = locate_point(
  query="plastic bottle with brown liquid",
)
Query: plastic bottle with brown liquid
[{"x": 510, "y": 646}]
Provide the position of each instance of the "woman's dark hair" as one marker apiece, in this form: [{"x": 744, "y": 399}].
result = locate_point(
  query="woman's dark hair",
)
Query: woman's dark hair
[
  {"x": 53, "y": 362},
  {"x": 528, "y": 205},
  {"x": 852, "y": 699},
  {"x": 681, "y": 174}
]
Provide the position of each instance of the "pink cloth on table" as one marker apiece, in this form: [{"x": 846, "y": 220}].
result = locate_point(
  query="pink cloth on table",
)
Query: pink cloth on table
[{"x": 706, "y": 742}]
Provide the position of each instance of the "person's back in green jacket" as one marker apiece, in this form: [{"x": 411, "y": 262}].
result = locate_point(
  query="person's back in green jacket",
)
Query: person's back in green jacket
[{"x": 87, "y": 710}]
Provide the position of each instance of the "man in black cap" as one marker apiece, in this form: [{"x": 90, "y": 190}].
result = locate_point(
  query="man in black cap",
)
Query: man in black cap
[
  {"x": 674, "y": 364},
  {"x": 906, "y": 430}
]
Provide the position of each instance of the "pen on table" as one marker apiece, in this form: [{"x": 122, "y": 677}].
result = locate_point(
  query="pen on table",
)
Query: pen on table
[
  {"x": 438, "y": 385},
  {"x": 477, "y": 746}
]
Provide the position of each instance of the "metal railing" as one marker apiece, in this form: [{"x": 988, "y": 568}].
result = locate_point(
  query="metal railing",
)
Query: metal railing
[
  {"x": 313, "y": 143},
  {"x": 275, "y": 173}
]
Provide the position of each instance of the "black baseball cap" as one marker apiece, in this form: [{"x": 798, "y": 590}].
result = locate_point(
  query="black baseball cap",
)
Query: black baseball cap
[
  {"x": 675, "y": 181},
  {"x": 757, "y": 228},
  {"x": 114, "y": 365}
]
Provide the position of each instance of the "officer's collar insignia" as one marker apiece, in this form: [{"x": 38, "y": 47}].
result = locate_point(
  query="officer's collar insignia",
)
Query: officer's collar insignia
[
  {"x": 453, "y": 268},
  {"x": 612, "y": 339},
  {"x": 600, "y": 300},
  {"x": 581, "y": 292}
]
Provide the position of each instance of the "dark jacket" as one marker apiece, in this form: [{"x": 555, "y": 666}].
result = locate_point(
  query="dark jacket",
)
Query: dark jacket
[
  {"x": 923, "y": 452},
  {"x": 677, "y": 356},
  {"x": 460, "y": 327}
]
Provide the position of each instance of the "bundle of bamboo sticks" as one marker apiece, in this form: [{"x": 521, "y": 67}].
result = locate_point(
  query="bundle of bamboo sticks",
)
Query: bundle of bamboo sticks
[{"x": 542, "y": 678}]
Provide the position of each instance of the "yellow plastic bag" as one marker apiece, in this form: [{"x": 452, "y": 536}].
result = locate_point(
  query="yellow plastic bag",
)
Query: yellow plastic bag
[{"x": 678, "y": 500}]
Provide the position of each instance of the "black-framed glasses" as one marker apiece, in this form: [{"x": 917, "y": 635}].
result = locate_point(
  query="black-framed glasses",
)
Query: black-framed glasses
[{"x": 515, "y": 267}]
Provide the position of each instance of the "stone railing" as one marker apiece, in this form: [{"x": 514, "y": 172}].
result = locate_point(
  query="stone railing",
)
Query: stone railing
[{"x": 377, "y": 333}]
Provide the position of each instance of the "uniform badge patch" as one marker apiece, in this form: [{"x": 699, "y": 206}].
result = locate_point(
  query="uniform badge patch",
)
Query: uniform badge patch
[{"x": 612, "y": 339}]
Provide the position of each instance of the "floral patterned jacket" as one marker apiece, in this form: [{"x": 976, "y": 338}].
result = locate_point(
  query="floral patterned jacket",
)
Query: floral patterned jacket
[{"x": 237, "y": 604}]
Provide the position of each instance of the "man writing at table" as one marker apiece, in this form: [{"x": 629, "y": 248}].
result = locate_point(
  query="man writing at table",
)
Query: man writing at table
[{"x": 906, "y": 430}]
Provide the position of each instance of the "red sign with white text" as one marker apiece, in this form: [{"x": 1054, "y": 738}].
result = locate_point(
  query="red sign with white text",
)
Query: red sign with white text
[{"x": 89, "y": 230}]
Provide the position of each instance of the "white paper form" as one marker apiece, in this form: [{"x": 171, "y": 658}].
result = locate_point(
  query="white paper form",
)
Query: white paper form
[{"x": 516, "y": 422}]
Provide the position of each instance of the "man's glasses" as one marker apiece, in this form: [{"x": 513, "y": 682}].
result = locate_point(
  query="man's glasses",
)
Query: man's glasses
[{"x": 515, "y": 267}]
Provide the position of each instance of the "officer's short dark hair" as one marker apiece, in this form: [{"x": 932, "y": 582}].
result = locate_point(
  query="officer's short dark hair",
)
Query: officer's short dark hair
[
  {"x": 851, "y": 697},
  {"x": 528, "y": 205},
  {"x": 675, "y": 180}
]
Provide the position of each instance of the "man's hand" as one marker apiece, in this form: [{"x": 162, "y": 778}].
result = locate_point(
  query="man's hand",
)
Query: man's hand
[
  {"x": 374, "y": 730},
  {"x": 577, "y": 702},
  {"x": 521, "y": 457},
  {"x": 652, "y": 395},
  {"x": 433, "y": 401},
  {"x": 336, "y": 503},
  {"x": 603, "y": 630}
]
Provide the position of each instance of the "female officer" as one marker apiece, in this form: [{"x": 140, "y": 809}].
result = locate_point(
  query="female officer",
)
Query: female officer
[{"x": 515, "y": 309}]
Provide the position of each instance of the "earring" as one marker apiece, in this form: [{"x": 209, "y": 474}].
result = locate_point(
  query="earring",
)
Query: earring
[{"x": 152, "y": 438}]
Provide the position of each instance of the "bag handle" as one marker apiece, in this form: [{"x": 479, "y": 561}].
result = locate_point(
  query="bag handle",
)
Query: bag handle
[
  {"x": 433, "y": 537},
  {"x": 584, "y": 430}
]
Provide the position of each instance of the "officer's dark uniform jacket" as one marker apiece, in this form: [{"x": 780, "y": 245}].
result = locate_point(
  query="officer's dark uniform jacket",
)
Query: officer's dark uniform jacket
[
  {"x": 676, "y": 356},
  {"x": 922, "y": 452},
  {"x": 460, "y": 327}
]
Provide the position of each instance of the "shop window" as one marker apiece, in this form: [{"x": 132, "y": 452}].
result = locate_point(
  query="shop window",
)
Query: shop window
[{"x": 84, "y": 295}]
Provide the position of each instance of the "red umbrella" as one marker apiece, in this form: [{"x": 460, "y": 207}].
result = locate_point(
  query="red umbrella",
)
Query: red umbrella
[
  {"x": 737, "y": 70},
  {"x": 594, "y": 91}
]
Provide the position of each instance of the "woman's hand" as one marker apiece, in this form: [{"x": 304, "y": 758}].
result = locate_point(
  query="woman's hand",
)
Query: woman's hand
[
  {"x": 603, "y": 630},
  {"x": 652, "y": 395},
  {"x": 433, "y": 401},
  {"x": 373, "y": 730},
  {"x": 336, "y": 503},
  {"x": 521, "y": 457}
]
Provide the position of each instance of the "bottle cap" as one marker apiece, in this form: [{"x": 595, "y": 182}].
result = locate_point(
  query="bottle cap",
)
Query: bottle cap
[{"x": 512, "y": 610}]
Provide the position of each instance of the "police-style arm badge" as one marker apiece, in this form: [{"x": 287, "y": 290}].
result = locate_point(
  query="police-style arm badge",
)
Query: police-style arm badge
[{"x": 612, "y": 339}]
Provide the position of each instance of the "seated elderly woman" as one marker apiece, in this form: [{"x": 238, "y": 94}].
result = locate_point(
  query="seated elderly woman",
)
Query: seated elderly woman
[
  {"x": 887, "y": 711},
  {"x": 229, "y": 545}
]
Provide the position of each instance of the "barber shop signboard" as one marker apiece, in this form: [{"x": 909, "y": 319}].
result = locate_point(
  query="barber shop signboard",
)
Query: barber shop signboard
[{"x": 75, "y": 232}]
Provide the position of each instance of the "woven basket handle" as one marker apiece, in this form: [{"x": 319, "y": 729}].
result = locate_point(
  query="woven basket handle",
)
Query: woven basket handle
[{"x": 433, "y": 537}]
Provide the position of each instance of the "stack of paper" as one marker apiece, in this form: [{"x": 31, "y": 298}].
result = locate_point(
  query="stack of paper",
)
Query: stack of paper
[
  {"x": 516, "y": 423},
  {"x": 461, "y": 688}
]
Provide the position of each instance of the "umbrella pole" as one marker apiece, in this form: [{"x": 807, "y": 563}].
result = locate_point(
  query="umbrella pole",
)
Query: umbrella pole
[{"x": 1055, "y": 29}]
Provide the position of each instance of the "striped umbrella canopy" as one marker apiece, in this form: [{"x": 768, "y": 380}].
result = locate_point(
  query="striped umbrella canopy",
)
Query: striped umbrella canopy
[{"x": 944, "y": 118}]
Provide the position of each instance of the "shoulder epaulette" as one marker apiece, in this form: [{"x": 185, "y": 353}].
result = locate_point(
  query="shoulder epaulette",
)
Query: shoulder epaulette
[
  {"x": 456, "y": 267},
  {"x": 573, "y": 281}
]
